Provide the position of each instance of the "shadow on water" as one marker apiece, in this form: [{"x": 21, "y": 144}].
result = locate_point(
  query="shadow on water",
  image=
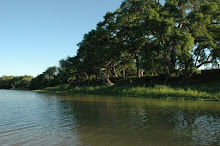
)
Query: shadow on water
[
  {"x": 38, "y": 119},
  {"x": 132, "y": 121}
]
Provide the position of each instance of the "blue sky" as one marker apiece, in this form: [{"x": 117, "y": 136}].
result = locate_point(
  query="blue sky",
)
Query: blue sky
[{"x": 36, "y": 34}]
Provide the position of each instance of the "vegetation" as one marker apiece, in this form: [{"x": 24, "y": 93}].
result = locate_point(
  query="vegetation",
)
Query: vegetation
[
  {"x": 46, "y": 79},
  {"x": 18, "y": 82},
  {"x": 143, "y": 39},
  {"x": 193, "y": 92}
]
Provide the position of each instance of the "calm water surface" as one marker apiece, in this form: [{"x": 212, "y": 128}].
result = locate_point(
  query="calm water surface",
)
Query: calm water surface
[{"x": 29, "y": 118}]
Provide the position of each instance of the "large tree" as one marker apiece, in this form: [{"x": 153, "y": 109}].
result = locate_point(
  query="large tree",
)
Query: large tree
[{"x": 204, "y": 25}]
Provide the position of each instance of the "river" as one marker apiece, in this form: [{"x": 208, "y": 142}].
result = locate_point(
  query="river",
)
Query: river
[{"x": 30, "y": 118}]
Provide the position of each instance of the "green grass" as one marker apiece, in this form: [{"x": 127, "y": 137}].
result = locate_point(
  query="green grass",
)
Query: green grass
[{"x": 208, "y": 91}]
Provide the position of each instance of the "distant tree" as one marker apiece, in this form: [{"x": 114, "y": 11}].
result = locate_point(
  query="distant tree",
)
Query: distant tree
[
  {"x": 20, "y": 82},
  {"x": 70, "y": 70},
  {"x": 46, "y": 79}
]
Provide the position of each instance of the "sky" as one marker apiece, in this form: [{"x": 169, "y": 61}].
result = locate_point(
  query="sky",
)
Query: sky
[{"x": 36, "y": 34}]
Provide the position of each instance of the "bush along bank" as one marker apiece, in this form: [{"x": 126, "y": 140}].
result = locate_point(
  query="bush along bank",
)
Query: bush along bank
[{"x": 208, "y": 91}]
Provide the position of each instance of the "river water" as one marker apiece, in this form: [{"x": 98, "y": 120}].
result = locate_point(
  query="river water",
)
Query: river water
[{"x": 30, "y": 118}]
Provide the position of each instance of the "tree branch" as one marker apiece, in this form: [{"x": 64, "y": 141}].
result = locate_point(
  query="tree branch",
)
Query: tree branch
[
  {"x": 205, "y": 62},
  {"x": 197, "y": 58}
]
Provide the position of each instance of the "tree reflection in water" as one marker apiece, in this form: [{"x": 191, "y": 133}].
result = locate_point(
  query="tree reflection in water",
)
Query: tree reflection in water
[{"x": 206, "y": 130}]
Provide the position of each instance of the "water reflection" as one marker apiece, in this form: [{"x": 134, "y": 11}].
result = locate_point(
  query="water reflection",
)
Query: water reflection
[
  {"x": 139, "y": 118},
  {"x": 206, "y": 130},
  {"x": 40, "y": 119},
  {"x": 181, "y": 121}
]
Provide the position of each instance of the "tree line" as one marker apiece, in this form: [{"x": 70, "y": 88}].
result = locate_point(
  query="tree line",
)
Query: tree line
[
  {"x": 18, "y": 82},
  {"x": 143, "y": 37}
]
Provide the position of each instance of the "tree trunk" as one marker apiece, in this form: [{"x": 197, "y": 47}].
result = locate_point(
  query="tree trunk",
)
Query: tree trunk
[
  {"x": 167, "y": 74},
  {"x": 137, "y": 64},
  {"x": 113, "y": 71},
  {"x": 124, "y": 73},
  {"x": 141, "y": 73},
  {"x": 187, "y": 72},
  {"x": 104, "y": 77},
  {"x": 167, "y": 69},
  {"x": 172, "y": 60}
]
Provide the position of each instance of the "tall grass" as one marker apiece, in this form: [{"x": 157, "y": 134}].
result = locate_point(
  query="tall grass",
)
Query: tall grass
[
  {"x": 157, "y": 91},
  {"x": 161, "y": 91}
]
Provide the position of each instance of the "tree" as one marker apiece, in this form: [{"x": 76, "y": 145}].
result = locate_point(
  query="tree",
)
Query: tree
[
  {"x": 175, "y": 39},
  {"x": 131, "y": 27},
  {"x": 19, "y": 82},
  {"x": 71, "y": 70},
  {"x": 203, "y": 23}
]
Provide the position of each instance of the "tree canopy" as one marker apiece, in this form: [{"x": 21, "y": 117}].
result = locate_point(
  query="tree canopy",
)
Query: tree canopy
[
  {"x": 174, "y": 39},
  {"x": 20, "y": 82},
  {"x": 144, "y": 37}
]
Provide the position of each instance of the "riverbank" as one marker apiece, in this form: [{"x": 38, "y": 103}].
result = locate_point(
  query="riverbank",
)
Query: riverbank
[{"x": 202, "y": 91}]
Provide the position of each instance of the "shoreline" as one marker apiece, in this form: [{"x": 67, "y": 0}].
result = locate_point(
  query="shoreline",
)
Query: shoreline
[{"x": 157, "y": 91}]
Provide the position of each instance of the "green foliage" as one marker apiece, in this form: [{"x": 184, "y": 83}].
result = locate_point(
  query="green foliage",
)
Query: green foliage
[
  {"x": 174, "y": 39},
  {"x": 17, "y": 82},
  {"x": 158, "y": 91},
  {"x": 180, "y": 36},
  {"x": 171, "y": 40},
  {"x": 46, "y": 79}
]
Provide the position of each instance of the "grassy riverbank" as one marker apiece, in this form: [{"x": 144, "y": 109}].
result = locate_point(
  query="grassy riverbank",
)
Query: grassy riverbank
[{"x": 202, "y": 91}]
